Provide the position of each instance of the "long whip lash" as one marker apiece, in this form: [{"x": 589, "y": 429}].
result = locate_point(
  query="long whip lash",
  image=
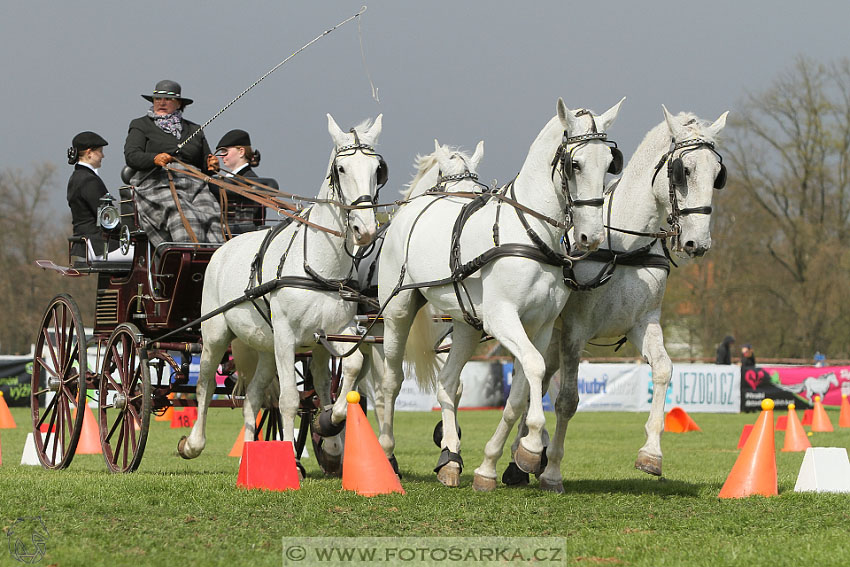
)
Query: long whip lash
[{"x": 272, "y": 70}]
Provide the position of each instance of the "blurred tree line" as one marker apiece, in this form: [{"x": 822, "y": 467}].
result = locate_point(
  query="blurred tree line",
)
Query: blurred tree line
[
  {"x": 776, "y": 275},
  {"x": 32, "y": 231}
]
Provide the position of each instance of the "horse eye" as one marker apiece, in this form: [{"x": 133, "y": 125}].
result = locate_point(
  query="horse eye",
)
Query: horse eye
[
  {"x": 687, "y": 171},
  {"x": 576, "y": 166},
  {"x": 340, "y": 169}
]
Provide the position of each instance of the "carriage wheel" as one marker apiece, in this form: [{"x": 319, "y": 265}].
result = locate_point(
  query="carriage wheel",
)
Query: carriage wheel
[
  {"x": 124, "y": 399},
  {"x": 58, "y": 383}
]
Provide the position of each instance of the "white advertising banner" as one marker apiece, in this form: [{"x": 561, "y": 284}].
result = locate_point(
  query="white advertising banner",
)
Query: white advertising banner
[{"x": 628, "y": 387}]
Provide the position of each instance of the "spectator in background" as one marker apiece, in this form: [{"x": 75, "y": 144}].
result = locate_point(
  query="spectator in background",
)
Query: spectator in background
[
  {"x": 724, "y": 352},
  {"x": 820, "y": 360},
  {"x": 748, "y": 357}
]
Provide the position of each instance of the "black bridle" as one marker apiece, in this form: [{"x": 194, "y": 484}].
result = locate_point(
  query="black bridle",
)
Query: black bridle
[
  {"x": 562, "y": 162},
  {"x": 351, "y": 149},
  {"x": 677, "y": 213}
]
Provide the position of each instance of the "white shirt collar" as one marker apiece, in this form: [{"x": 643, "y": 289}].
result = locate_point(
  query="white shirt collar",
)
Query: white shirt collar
[
  {"x": 236, "y": 171},
  {"x": 88, "y": 165}
]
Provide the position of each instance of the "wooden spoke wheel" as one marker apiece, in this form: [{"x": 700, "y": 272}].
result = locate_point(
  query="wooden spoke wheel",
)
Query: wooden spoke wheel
[
  {"x": 58, "y": 383},
  {"x": 124, "y": 399}
]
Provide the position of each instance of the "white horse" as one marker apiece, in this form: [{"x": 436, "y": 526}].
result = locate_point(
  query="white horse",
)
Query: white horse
[
  {"x": 630, "y": 302},
  {"x": 298, "y": 257},
  {"x": 813, "y": 385},
  {"x": 367, "y": 362},
  {"x": 515, "y": 296}
]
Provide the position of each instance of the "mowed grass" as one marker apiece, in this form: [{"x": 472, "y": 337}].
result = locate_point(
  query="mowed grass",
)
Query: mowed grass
[{"x": 177, "y": 512}]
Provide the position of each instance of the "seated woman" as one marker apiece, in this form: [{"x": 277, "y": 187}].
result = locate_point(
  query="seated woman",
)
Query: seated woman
[
  {"x": 171, "y": 208},
  {"x": 85, "y": 188},
  {"x": 238, "y": 157}
]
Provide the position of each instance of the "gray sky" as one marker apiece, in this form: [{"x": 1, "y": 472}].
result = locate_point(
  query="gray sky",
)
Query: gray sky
[{"x": 459, "y": 71}]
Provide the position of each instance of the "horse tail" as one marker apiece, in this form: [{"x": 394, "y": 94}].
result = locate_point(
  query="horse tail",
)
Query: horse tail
[
  {"x": 419, "y": 352},
  {"x": 793, "y": 388}
]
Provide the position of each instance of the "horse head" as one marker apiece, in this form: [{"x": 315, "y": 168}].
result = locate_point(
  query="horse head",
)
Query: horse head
[
  {"x": 694, "y": 171},
  {"x": 356, "y": 173},
  {"x": 455, "y": 163},
  {"x": 585, "y": 157}
]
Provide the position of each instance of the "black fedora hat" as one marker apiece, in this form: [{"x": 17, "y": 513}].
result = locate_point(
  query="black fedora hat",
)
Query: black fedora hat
[
  {"x": 168, "y": 89},
  {"x": 234, "y": 138}
]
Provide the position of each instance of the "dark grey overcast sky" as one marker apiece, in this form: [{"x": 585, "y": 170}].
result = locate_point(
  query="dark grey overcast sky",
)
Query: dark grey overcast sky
[{"x": 459, "y": 71}]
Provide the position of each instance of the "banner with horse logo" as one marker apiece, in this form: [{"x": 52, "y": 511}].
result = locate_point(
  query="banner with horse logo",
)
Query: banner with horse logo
[{"x": 793, "y": 384}]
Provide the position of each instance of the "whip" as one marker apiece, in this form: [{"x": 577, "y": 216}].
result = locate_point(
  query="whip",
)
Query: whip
[{"x": 272, "y": 70}]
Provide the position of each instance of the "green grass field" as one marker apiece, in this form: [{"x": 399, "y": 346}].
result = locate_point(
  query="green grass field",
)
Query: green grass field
[{"x": 173, "y": 512}]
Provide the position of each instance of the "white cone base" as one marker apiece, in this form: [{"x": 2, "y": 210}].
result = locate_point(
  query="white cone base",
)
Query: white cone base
[
  {"x": 824, "y": 469},
  {"x": 30, "y": 455}
]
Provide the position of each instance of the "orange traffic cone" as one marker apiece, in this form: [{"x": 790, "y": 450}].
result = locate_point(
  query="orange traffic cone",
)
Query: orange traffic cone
[
  {"x": 796, "y": 438},
  {"x": 6, "y": 419},
  {"x": 167, "y": 414},
  {"x": 820, "y": 421},
  {"x": 365, "y": 468},
  {"x": 89, "y": 443},
  {"x": 678, "y": 421},
  {"x": 754, "y": 472},
  {"x": 844, "y": 416},
  {"x": 236, "y": 450}
]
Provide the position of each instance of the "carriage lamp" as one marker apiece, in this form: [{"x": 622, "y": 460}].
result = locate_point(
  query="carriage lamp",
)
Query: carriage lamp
[{"x": 108, "y": 216}]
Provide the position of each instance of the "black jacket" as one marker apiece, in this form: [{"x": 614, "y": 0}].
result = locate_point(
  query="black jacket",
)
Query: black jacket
[
  {"x": 145, "y": 140},
  {"x": 85, "y": 188}
]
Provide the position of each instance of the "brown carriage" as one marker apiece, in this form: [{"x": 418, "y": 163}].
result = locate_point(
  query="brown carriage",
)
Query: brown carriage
[{"x": 144, "y": 335}]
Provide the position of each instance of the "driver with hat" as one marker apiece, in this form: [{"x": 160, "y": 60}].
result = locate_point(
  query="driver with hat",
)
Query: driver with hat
[{"x": 152, "y": 143}]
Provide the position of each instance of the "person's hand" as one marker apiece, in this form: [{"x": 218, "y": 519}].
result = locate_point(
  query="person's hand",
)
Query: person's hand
[
  {"x": 212, "y": 163},
  {"x": 162, "y": 159}
]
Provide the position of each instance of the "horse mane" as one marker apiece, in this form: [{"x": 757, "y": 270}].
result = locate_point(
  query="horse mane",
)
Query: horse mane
[{"x": 423, "y": 165}]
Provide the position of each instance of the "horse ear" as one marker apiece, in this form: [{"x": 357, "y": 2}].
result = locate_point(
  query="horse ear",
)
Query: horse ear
[
  {"x": 479, "y": 153},
  {"x": 375, "y": 130},
  {"x": 608, "y": 117},
  {"x": 565, "y": 116},
  {"x": 436, "y": 146},
  {"x": 440, "y": 152},
  {"x": 335, "y": 131},
  {"x": 719, "y": 124},
  {"x": 675, "y": 128}
]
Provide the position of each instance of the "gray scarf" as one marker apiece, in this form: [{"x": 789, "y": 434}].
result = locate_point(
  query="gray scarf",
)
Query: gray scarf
[{"x": 170, "y": 123}]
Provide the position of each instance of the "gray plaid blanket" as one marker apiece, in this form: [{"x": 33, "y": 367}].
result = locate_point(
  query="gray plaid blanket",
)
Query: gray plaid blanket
[{"x": 158, "y": 214}]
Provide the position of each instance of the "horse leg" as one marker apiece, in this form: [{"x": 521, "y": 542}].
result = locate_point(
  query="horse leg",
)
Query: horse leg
[
  {"x": 464, "y": 341},
  {"x": 485, "y": 475},
  {"x": 529, "y": 453},
  {"x": 567, "y": 348},
  {"x": 218, "y": 337},
  {"x": 331, "y": 422},
  {"x": 398, "y": 319},
  {"x": 651, "y": 340},
  {"x": 256, "y": 392},
  {"x": 329, "y": 451}
]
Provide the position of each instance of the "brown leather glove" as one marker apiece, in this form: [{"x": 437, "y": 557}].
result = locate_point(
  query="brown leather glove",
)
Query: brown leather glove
[
  {"x": 212, "y": 163},
  {"x": 162, "y": 159}
]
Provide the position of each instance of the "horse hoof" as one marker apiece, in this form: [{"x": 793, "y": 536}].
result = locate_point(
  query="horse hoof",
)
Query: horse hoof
[
  {"x": 513, "y": 476},
  {"x": 323, "y": 424},
  {"x": 181, "y": 447},
  {"x": 483, "y": 484},
  {"x": 302, "y": 472},
  {"x": 526, "y": 460},
  {"x": 394, "y": 464},
  {"x": 449, "y": 475},
  {"x": 648, "y": 463},
  {"x": 552, "y": 486}
]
